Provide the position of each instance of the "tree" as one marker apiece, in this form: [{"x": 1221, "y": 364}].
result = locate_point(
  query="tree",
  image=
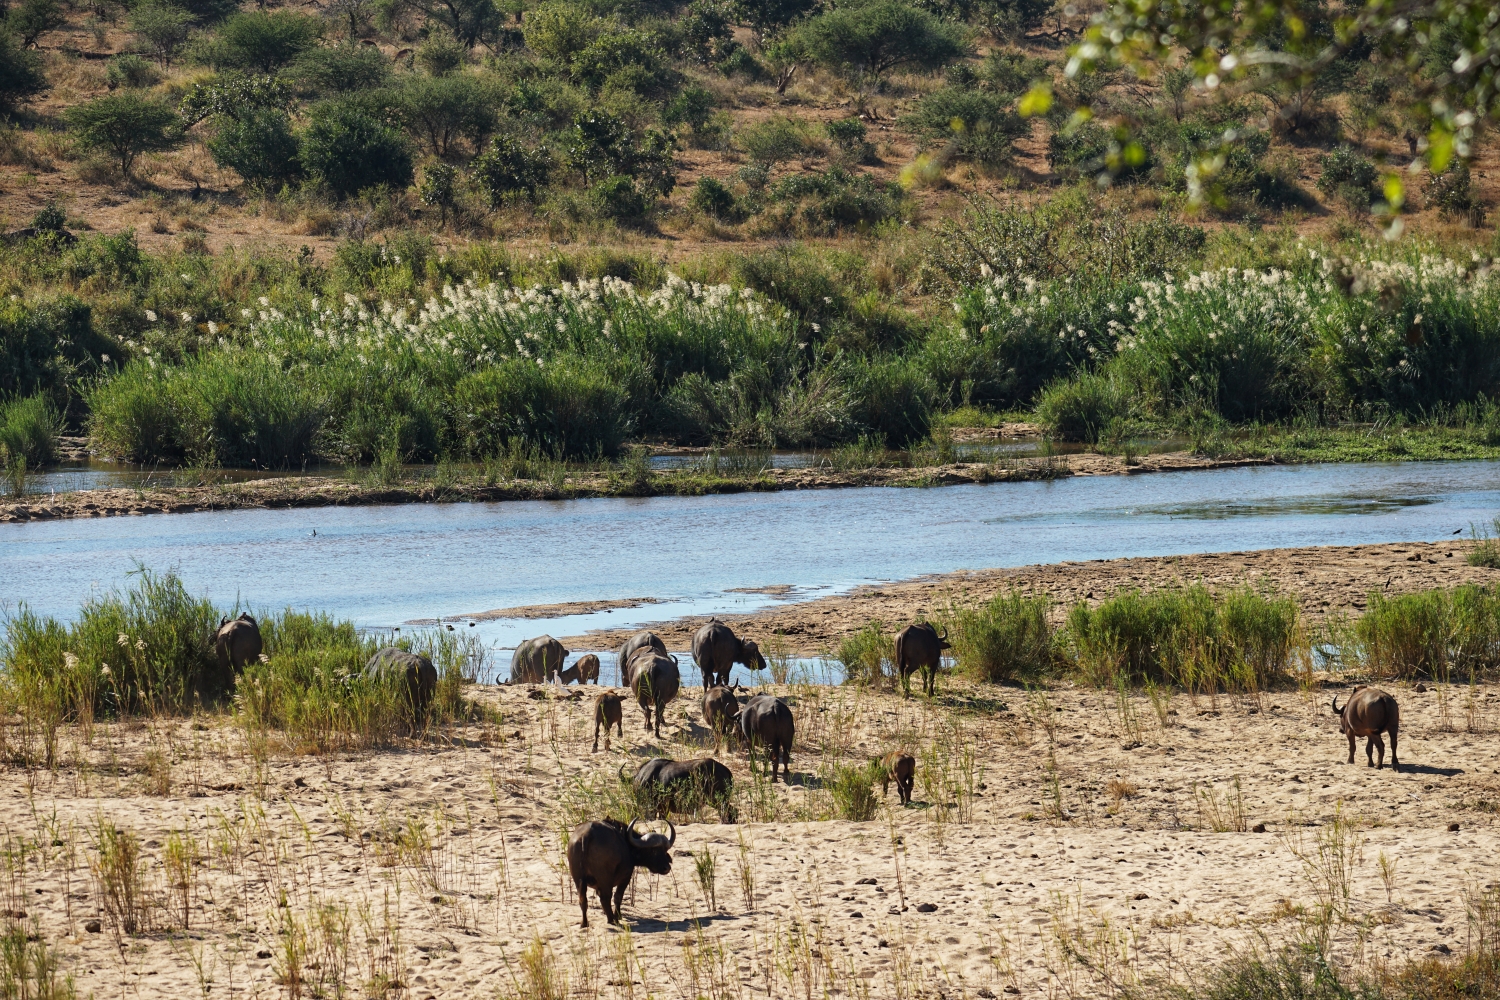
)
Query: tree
[
  {"x": 511, "y": 167},
  {"x": 768, "y": 16},
  {"x": 868, "y": 40},
  {"x": 20, "y": 70},
  {"x": 256, "y": 41},
  {"x": 162, "y": 26},
  {"x": 127, "y": 124},
  {"x": 33, "y": 18},
  {"x": 443, "y": 111},
  {"x": 559, "y": 30},
  {"x": 259, "y": 146},
  {"x": 352, "y": 12},
  {"x": 439, "y": 188},
  {"x": 470, "y": 22},
  {"x": 339, "y": 69},
  {"x": 350, "y": 149},
  {"x": 1450, "y": 47}
]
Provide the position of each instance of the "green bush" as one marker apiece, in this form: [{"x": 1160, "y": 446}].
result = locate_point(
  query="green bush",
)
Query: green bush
[
  {"x": 619, "y": 199},
  {"x": 870, "y": 39},
  {"x": 774, "y": 140},
  {"x": 835, "y": 199},
  {"x": 1081, "y": 408},
  {"x": 1348, "y": 176},
  {"x": 340, "y": 69},
  {"x": 979, "y": 126},
  {"x": 49, "y": 346},
  {"x": 1007, "y": 639},
  {"x": 259, "y": 145},
  {"x": 569, "y": 411},
  {"x": 1432, "y": 633},
  {"x": 350, "y": 149},
  {"x": 163, "y": 26},
  {"x": 511, "y": 167},
  {"x": 29, "y": 426},
  {"x": 443, "y": 112},
  {"x": 866, "y": 655},
  {"x": 1242, "y": 641},
  {"x": 20, "y": 70},
  {"x": 848, "y": 135},
  {"x": 260, "y": 41},
  {"x": 1452, "y": 193},
  {"x": 892, "y": 399},
  {"x": 130, "y": 70},
  {"x": 852, "y": 788},
  {"x": 30, "y": 19},
  {"x": 711, "y": 197}
]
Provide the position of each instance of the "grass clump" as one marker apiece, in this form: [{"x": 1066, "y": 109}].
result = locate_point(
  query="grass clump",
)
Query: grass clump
[
  {"x": 866, "y": 655},
  {"x": 1486, "y": 550},
  {"x": 29, "y": 426},
  {"x": 852, "y": 787},
  {"x": 1241, "y": 641},
  {"x": 1007, "y": 639},
  {"x": 1429, "y": 634}
]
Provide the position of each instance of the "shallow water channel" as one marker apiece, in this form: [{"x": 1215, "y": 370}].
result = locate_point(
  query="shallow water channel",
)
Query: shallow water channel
[{"x": 385, "y": 566}]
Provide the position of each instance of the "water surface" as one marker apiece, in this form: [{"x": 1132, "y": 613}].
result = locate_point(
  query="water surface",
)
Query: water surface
[{"x": 384, "y": 566}]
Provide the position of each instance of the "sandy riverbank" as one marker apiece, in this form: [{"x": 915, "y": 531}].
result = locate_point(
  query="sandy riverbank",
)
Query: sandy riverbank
[{"x": 315, "y": 491}]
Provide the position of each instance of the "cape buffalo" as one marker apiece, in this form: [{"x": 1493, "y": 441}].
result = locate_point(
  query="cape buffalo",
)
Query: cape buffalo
[
  {"x": 608, "y": 712},
  {"x": 654, "y": 678},
  {"x": 721, "y": 711},
  {"x": 237, "y": 642},
  {"x": 767, "y": 721},
  {"x": 903, "y": 768},
  {"x": 585, "y": 671},
  {"x": 919, "y": 647},
  {"x": 605, "y": 854},
  {"x": 536, "y": 660},
  {"x": 414, "y": 671},
  {"x": 682, "y": 786},
  {"x": 641, "y": 639},
  {"x": 1368, "y": 712},
  {"x": 716, "y": 650}
]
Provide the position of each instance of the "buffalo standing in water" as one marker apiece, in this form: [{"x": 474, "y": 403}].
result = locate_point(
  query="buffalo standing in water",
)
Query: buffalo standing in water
[
  {"x": 413, "y": 671},
  {"x": 605, "y": 854},
  {"x": 716, "y": 650},
  {"x": 1369, "y": 712},
  {"x": 919, "y": 647},
  {"x": 767, "y": 721},
  {"x": 536, "y": 660},
  {"x": 654, "y": 678},
  {"x": 237, "y": 642}
]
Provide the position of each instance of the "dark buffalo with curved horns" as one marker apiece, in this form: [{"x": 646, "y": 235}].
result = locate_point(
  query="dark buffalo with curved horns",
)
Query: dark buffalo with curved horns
[
  {"x": 716, "y": 650},
  {"x": 642, "y": 639},
  {"x": 766, "y": 721},
  {"x": 721, "y": 711},
  {"x": 654, "y": 677},
  {"x": 605, "y": 854},
  {"x": 413, "y": 671},
  {"x": 537, "y": 660},
  {"x": 919, "y": 647},
  {"x": 682, "y": 786},
  {"x": 1369, "y": 712},
  {"x": 237, "y": 642}
]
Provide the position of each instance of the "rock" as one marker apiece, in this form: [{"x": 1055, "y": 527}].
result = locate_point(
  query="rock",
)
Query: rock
[
  {"x": 866, "y": 881},
  {"x": 926, "y": 908},
  {"x": 1140, "y": 896},
  {"x": 92, "y": 926},
  {"x": 986, "y": 992},
  {"x": 1258, "y": 828},
  {"x": 856, "y": 915},
  {"x": 1452, "y": 827},
  {"x": 1441, "y": 949},
  {"x": 263, "y": 953}
]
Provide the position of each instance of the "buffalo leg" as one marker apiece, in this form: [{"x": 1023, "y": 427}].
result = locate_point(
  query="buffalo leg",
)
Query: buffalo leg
[
  {"x": 1351, "y": 748},
  {"x": 619, "y": 900},
  {"x": 1392, "y": 731},
  {"x": 1379, "y": 750},
  {"x": 609, "y": 914},
  {"x": 658, "y": 721},
  {"x": 583, "y": 900},
  {"x": 596, "y": 736},
  {"x": 647, "y": 709},
  {"x": 708, "y": 677}
]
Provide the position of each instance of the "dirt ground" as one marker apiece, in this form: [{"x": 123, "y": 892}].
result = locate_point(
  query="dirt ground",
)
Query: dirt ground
[
  {"x": 1327, "y": 580},
  {"x": 1050, "y": 834}
]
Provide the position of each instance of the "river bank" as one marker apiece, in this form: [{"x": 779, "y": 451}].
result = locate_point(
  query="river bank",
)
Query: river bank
[
  {"x": 315, "y": 491},
  {"x": 1326, "y": 580}
]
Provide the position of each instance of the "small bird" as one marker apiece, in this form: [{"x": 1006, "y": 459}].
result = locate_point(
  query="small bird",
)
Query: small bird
[
  {"x": 315, "y": 533},
  {"x": 471, "y": 624},
  {"x": 450, "y": 628},
  {"x": 1459, "y": 531}
]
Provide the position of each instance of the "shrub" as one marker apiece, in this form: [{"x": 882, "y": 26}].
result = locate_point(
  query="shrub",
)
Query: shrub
[
  {"x": 1348, "y": 176},
  {"x": 848, "y": 134},
  {"x": 130, "y": 70},
  {"x": 341, "y": 69},
  {"x": 1080, "y": 408},
  {"x": 1486, "y": 550},
  {"x": 349, "y": 149},
  {"x": 978, "y": 125},
  {"x": 567, "y": 410},
  {"x": 835, "y": 199},
  {"x": 1452, "y": 193},
  {"x": 47, "y": 347},
  {"x": 1190, "y": 637},
  {"x": 262, "y": 41},
  {"x": 30, "y": 19},
  {"x": 1007, "y": 639},
  {"x": 444, "y": 111},
  {"x": 126, "y": 124},
  {"x": 866, "y": 654},
  {"x": 29, "y": 426},
  {"x": 852, "y": 788},
  {"x": 619, "y": 199},
  {"x": 1431, "y": 633},
  {"x": 440, "y": 54},
  {"x": 774, "y": 140},
  {"x": 711, "y": 197},
  {"x": 559, "y": 30},
  {"x": 258, "y": 145},
  {"x": 892, "y": 399},
  {"x": 511, "y": 167},
  {"x": 20, "y": 70}
]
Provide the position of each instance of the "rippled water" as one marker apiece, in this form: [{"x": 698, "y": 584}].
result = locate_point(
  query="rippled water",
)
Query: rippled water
[{"x": 383, "y": 566}]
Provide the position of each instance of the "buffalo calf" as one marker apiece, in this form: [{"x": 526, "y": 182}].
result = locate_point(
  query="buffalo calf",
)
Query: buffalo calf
[
  {"x": 608, "y": 711},
  {"x": 903, "y": 768}
]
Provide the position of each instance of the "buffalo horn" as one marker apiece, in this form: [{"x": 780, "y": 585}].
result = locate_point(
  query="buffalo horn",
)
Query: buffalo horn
[{"x": 1336, "y": 709}]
